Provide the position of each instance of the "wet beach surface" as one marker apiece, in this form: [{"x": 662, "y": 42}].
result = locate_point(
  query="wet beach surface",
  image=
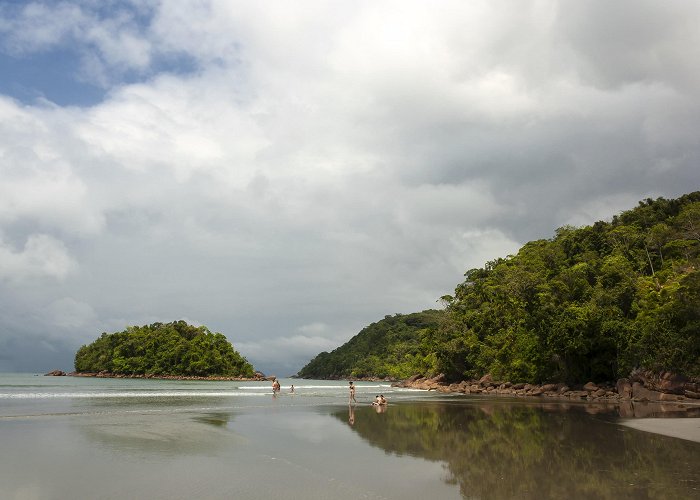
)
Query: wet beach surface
[{"x": 157, "y": 439}]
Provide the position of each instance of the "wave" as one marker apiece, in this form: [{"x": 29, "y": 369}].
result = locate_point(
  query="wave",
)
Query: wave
[
  {"x": 144, "y": 394},
  {"x": 297, "y": 387}
]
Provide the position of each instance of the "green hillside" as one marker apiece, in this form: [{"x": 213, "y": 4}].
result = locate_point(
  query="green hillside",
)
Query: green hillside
[
  {"x": 591, "y": 303},
  {"x": 163, "y": 349},
  {"x": 396, "y": 347}
]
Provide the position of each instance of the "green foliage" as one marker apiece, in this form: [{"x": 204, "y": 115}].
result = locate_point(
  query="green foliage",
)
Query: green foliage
[
  {"x": 163, "y": 349},
  {"x": 397, "y": 347},
  {"x": 592, "y": 303}
]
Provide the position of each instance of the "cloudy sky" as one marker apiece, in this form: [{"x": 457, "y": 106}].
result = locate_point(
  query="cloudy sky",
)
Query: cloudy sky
[{"x": 288, "y": 172}]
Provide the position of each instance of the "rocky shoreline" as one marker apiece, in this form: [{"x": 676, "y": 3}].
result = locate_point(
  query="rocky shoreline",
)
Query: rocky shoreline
[
  {"x": 258, "y": 378},
  {"x": 641, "y": 386}
]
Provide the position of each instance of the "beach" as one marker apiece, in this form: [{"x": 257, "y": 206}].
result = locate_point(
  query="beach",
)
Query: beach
[
  {"x": 681, "y": 428},
  {"x": 66, "y": 437}
]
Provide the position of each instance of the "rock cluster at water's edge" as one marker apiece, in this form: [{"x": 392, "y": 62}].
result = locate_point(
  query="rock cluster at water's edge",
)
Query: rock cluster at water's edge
[{"x": 640, "y": 386}]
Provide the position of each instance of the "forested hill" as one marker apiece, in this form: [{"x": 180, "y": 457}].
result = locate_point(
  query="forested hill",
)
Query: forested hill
[
  {"x": 396, "y": 347},
  {"x": 175, "y": 348},
  {"x": 592, "y": 303}
]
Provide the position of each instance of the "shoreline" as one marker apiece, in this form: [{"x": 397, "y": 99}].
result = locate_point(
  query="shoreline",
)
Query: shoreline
[
  {"x": 642, "y": 386},
  {"x": 213, "y": 378},
  {"x": 680, "y": 428}
]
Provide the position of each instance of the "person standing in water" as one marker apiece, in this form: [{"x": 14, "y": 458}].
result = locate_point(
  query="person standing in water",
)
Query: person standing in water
[
  {"x": 352, "y": 394},
  {"x": 291, "y": 389}
]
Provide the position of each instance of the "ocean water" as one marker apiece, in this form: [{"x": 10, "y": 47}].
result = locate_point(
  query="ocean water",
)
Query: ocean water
[{"x": 89, "y": 438}]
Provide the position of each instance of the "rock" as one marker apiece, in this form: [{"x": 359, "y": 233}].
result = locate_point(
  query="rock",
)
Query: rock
[
  {"x": 672, "y": 383},
  {"x": 578, "y": 394},
  {"x": 590, "y": 387},
  {"x": 486, "y": 380},
  {"x": 564, "y": 388},
  {"x": 641, "y": 393},
  {"x": 438, "y": 378},
  {"x": 669, "y": 397},
  {"x": 55, "y": 373},
  {"x": 549, "y": 387},
  {"x": 624, "y": 388},
  {"x": 518, "y": 386},
  {"x": 691, "y": 394},
  {"x": 412, "y": 378},
  {"x": 599, "y": 393}
]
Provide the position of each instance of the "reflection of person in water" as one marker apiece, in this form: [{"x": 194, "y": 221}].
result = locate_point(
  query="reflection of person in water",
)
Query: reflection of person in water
[
  {"x": 351, "y": 414},
  {"x": 379, "y": 408}
]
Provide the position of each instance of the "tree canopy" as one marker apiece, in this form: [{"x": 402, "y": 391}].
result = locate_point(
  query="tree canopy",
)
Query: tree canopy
[
  {"x": 175, "y": 348},
  {"x": 397, "y": 346},
  {"x": 591, "y": 303}
]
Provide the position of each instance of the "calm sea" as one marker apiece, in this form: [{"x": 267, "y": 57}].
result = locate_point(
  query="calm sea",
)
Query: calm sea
[{"x": 88, "y": 438}]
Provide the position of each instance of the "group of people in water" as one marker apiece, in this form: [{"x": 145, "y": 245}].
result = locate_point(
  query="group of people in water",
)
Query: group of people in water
[
  {"x": 379, "y": 400},
  {"x": 276, "y": 387}
]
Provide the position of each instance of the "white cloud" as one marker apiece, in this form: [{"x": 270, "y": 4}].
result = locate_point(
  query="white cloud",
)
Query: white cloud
[
  {"x": 42, "y": 256},
  {"x": 325, "y": 165}
]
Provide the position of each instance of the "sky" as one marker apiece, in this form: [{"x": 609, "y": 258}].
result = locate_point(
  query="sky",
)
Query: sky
[{"x": 288, "y": 172}]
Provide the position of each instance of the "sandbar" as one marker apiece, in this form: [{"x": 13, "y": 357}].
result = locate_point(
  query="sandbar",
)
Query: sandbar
[{"x": 682, "y": 428}]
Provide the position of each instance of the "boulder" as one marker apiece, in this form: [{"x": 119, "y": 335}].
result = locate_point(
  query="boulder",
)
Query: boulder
[
  {"x": 549, "y": 387},
  {"x": 624, "y": 388},
  {"x": 672, "y": 383},
  {"x": 486, "y": 380},
  {"x": 578, "y": 394},
  {"x": 590, "y": 387},
  {"x": 55, "y": 373},
  {"x": 641, "y": 393},
  {"x": 692, "y": 394}
]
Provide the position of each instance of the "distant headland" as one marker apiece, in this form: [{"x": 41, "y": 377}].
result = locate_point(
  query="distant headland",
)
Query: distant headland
[{"x": 604, "y": 306}]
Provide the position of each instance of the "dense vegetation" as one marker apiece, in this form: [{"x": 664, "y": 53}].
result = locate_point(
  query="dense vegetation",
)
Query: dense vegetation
[
  {"x": 397, "y": 346},
  {"x": 592, "y": 303},
  {"x": 163, "y": 349}
]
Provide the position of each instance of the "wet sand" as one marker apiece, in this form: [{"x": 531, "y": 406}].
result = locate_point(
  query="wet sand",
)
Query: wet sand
[{"x": 682, "y": 428}]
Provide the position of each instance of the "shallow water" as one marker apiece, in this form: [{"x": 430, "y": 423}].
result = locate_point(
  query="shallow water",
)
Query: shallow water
[{"x": 65, "y": 437}]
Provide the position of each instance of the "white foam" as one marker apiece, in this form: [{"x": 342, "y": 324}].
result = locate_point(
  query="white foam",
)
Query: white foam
[{"x": 129, "y": 394}]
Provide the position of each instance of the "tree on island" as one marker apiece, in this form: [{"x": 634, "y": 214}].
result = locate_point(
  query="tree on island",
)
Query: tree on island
[{"x": 175, "y": 348}]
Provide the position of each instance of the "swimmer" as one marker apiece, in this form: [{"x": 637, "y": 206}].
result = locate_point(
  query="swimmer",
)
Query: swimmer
[{"x": 352, "y": 394}]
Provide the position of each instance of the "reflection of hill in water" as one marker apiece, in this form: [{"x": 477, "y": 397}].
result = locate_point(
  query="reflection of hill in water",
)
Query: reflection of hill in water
[{"x": 518, "y": 451}]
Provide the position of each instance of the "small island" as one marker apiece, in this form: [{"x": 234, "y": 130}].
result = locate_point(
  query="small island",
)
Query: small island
[{"x": 163, "y": 350}]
